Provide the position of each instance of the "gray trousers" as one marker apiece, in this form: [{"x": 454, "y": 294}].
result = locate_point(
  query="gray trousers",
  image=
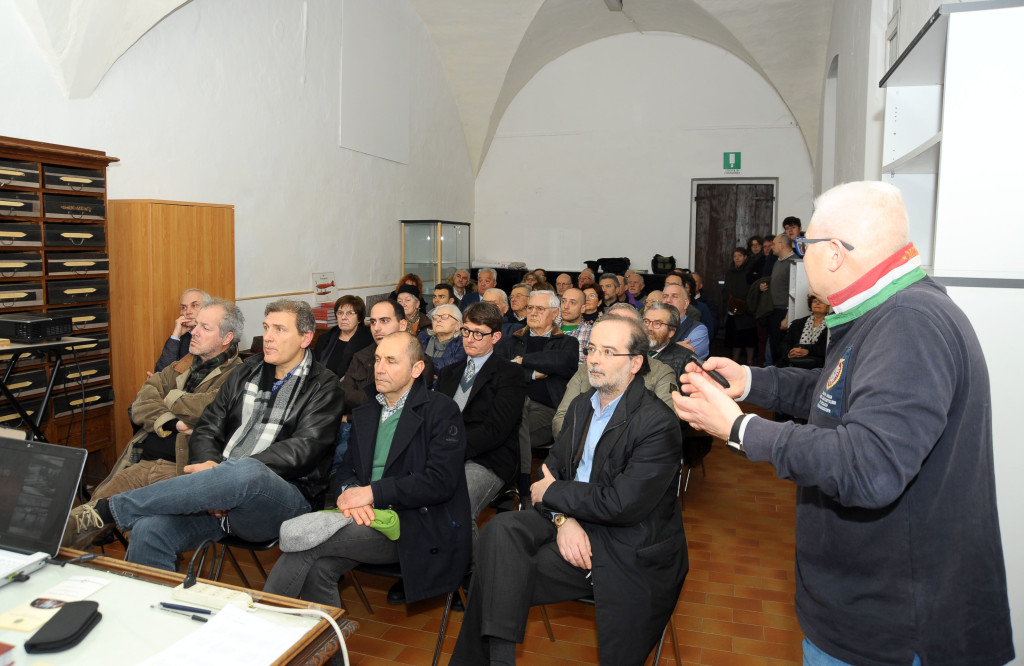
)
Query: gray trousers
[
  {"x": 483, "y": 485},
  {"x": 313, "y": 575}
]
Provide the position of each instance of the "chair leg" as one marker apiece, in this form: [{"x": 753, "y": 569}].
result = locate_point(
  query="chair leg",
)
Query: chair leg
[
  {"x": 675, "y": 641},
  {"x": 259, "y": 565},
  {"x": 359, "y": 591},
  {"x": 444, "y": 623},
  {"x": 231, "y": 556},
  {"x": 547, "y": 623}
]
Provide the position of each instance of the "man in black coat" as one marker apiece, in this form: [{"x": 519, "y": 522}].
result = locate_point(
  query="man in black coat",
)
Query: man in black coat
[
  {"x": 490, "y": 391},
  {"x": 549, "y": 359},
  {"x": 606, "y": 522},
  {"x": 406, "y": 454}
]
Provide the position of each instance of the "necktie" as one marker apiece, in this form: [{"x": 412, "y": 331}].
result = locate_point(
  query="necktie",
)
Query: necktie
[{"x": 468, "y": 375}]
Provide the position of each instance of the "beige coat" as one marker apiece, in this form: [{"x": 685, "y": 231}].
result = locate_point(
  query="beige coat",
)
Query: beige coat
[{"x": 161, "y": 401}]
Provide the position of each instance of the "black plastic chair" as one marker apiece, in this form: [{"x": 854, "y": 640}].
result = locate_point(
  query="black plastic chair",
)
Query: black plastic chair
[
  {"x": 229, "y": 542},
  {"x": 394, "y": 571}
]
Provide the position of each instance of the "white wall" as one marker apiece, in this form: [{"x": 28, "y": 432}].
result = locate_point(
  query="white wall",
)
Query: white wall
[
  {"x": 236, "y": 101},
  {"x": 595, "y": 155}
]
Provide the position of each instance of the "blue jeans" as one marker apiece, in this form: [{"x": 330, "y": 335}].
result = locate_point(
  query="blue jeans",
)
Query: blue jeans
[
  {"x": 171, "y": 516},
  {"x": 814, "y": 656}
]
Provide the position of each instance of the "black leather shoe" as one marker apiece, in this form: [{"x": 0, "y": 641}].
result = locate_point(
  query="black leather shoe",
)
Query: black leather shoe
[{"x": 396, "y": 595}]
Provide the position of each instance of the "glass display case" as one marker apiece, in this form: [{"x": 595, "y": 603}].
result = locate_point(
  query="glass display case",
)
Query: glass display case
[{"x": 434, "y": 250}]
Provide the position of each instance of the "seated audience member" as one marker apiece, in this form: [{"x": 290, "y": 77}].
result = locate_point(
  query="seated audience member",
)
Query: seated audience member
[
  {"x": 572, "y": 319},
  {"x": 335, "y": 348},
  {"x": 412, "y": 280},
  {"x": 177, "y": 345},
  {"x": 517, "y": 300},
  {"x": 530, "y": 279},
  {"x": 461, "y": 286},
  {"x": 585, "y": 278},
  {"x": 407, "y": 454},
  {"x": 653, "y": 297},
  {"x": 442, "y": 343},
  {"x": 591, "y": 303},
  {"x": 498, "y": 299},
  {"x": 486, "y": 278},
  {"x": 490, "y": 392},
  {"x": 542, "y": 275},
  {"x": 660, "y": 379},
  {"x": 409, "y": 299},
  {"x": 635, "y": 285},
  {"x": 167, "y": 408},
  {"x": 681, "y": 279},
  {"x": 661, "y": 322},
  {"x": 544, "y": 286},
  {"x": 606, "y": 520},
  {"x": 549, "y": 358},
  {"x": 691, "y": 332},
  {"x": 623, "y": 293},
  {"x": 806, "y": 339},
  {"x": 699, "y": 311},
  {"x": 609, "y": 285},
  {"x": 259, "y": 455},
  {"x": 443, "y": 295},
  {"x": 562, "y": 282}
]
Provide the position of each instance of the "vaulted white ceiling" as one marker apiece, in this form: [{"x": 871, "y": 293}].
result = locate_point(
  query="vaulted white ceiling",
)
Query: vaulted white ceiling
[{"x": 490, "y": 49}]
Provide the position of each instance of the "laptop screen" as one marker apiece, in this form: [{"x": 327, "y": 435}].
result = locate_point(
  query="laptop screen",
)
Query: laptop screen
[{"x": 37, "y": 487}]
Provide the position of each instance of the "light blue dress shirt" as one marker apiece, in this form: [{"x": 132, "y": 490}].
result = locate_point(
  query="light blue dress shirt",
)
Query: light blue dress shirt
[{"x": 598, "y": 422}]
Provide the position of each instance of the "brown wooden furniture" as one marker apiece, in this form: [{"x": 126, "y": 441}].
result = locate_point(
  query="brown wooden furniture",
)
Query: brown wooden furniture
[
  {"x": 53, "y": 259},
  {"x": 157, "y": 250}
]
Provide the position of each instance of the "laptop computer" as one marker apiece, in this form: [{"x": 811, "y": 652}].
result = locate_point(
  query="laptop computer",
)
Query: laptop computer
[{"x": 38, "y": 482}]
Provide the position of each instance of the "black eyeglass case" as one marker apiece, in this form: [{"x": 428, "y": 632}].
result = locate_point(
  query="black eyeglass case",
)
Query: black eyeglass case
[{"x": 66, "y": 629}]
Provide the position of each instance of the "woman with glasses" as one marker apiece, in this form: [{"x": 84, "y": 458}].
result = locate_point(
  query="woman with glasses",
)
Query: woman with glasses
[
  {"x": 336, "y": 347},
  {"x": 591, "y": 303},
  {"x": 740, "y": 325},
  {"x": 443, "y": 342}
]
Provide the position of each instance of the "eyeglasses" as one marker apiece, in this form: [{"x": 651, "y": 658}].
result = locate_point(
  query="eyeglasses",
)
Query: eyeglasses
[
  {"x": 594, "y": 352},
  {"x": 801, "y": 244},
  {"x": 536, "y": 308},
  {"x": 346, "y": 313},
  {"x": 443, "y": 316},
  {"x": 656, "y": 325},
  {"x": 476, "y": 335}
]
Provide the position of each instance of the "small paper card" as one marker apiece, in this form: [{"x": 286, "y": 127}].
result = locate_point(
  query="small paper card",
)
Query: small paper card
[{"x": 34, "y": 614}]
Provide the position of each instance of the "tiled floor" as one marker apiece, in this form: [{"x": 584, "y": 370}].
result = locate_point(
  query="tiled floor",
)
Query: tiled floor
[{"x": 736, "y": 606}]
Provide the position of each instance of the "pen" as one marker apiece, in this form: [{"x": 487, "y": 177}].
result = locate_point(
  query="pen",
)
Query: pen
[
  {"x": 187, "y": 609},
  {"x": 197, "y": 618}
]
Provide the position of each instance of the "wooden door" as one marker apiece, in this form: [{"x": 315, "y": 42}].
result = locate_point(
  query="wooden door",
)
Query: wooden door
[
  {"x": 726, "y": 216},
  {"x": 215, "y": 230}
]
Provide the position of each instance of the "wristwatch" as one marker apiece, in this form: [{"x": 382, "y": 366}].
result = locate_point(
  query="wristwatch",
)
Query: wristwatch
[
  {"x": 559, "y": 519},
  {"x": 734, "y": 435}
]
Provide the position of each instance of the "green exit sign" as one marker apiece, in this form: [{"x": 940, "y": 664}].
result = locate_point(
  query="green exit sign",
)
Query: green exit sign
[{"x": 731, "y": 161}]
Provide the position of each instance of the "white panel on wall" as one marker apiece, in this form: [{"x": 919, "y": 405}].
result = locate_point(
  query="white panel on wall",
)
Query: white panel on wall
[{"x": 375, "y": 78}]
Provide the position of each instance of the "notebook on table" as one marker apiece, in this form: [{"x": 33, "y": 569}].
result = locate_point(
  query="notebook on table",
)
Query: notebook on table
[{"x": 38, "y": 482}]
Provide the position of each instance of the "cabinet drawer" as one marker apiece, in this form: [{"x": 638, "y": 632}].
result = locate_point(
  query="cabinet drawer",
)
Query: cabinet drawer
[
  {"x": 70, "y": 178},
  {"x": 20, "y": 234},
  {"x": 20, "y": 294},
  {"x": 22, "y": 174},
  {"x": 74, "y": 235},
  {"x": 85, "y": 319},
  {"x": 63, "y": 292},
  {"x": 60, "y": 206},
  {"x": 75, "y": 263},
  {"x": 97, "y": 343},
  {"x": 9, "y": 417},
  {"x": 21, "y": 264},
  {"x": 74, "y": 401},
  {"x": 84, "y": 372},
  {"x": 19, "y": 204},
  {"x": 27, "y": 382}
]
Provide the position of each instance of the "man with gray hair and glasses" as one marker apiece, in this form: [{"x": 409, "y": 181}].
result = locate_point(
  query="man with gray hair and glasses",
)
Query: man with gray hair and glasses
[
  {"x": 177, "y": 344},
  {"x": 549, "y": 359},
  {"x": 259, "y": 455}
]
